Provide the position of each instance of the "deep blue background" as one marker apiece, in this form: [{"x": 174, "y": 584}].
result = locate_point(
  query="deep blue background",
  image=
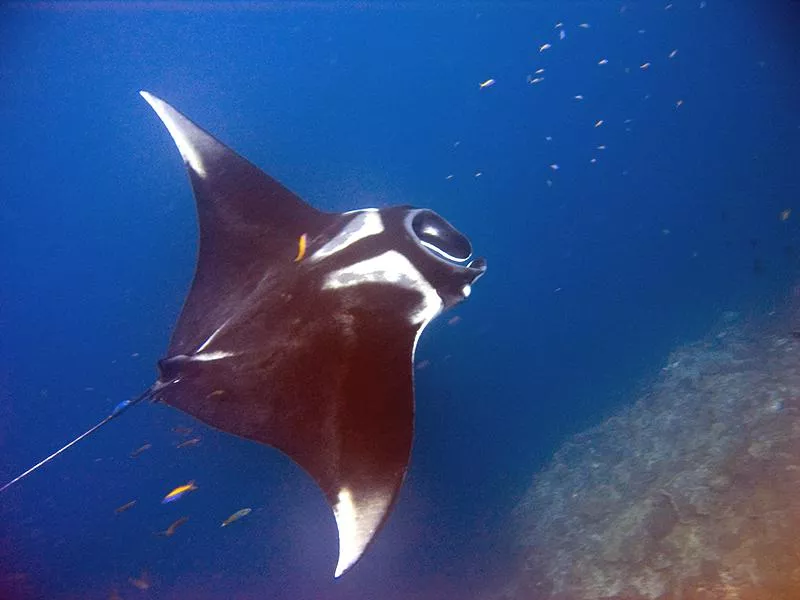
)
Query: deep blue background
[{"x": 592, "y": 278}]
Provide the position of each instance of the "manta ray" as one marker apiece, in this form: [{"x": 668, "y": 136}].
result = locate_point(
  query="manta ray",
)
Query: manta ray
[{"x": 300, "y": 327}]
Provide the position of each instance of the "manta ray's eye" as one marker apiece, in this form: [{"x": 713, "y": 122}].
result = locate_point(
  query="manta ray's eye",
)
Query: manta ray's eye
[{"x": 438, "y": 235}]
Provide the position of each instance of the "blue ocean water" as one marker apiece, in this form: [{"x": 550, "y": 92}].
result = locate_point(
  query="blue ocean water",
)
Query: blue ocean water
[{"x": 596, "y": 269}]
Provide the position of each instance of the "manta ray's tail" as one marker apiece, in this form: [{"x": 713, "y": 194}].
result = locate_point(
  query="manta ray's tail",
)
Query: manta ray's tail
[{"x": 118, "y": 410}]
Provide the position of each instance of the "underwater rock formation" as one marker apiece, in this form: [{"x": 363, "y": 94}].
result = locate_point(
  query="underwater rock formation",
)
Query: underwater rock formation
[{"x": 691, "y": 493}]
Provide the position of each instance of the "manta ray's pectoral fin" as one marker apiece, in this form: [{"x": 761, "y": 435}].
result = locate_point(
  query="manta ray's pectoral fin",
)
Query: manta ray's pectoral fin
[{"x": 247, "y": 220}]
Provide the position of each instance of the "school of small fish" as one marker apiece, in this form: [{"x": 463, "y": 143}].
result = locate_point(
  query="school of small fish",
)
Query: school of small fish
[
  {"x": 143, "y": 582},
  {"x": 542, "y": 49}
]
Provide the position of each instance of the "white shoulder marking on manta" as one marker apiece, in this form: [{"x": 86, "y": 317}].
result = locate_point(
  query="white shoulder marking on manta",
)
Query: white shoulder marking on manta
[
  {"x": 185, "y": 146},
  {"x": 391, "y": 268},
  {"x": 209, "y": 356},
  {"x": 365, "y": 223},
  {"x": 356, "y": 520}
]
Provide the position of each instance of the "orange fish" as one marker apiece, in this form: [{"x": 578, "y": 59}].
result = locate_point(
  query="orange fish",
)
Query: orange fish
[
  {"x": 140, "y": 449},
  {"x": 169, "y": 531},
  {"x": 121, "y": 509},
  {"x": 140, "y": 583}
]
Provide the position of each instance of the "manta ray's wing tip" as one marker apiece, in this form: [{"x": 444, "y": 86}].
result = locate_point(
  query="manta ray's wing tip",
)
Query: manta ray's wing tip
[
  {"x": 359, "y": 516},
  {"x": 190, "y": 139},
  {"x": 150, "y": 98}
]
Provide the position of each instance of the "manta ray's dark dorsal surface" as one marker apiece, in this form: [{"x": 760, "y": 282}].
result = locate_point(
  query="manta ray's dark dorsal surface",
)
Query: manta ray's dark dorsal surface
[{"x": 300, "y": 326}]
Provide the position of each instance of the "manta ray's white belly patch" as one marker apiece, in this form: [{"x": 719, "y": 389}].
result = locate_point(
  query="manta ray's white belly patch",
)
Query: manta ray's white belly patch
[{"x": 391, "y": 268}]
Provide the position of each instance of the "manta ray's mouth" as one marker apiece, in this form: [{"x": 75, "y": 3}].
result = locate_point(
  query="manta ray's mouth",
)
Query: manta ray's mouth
[{"x": 479, "y": 264}]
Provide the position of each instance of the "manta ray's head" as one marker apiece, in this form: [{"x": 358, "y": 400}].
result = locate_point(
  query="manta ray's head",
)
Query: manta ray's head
[{"x": 450, "y": 250}]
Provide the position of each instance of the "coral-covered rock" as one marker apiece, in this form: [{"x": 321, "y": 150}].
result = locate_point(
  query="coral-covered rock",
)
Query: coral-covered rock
[{"x": 691, "y": 493}]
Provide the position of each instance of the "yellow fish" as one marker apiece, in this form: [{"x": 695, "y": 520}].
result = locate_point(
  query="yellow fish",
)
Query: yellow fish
[
  {"x": 301, "y": 248},
  {"x": 236, "y": 516},
  {"x": 178, "y": 492}
]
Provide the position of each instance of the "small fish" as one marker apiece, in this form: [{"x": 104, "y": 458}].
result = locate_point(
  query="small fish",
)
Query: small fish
[
  {"x": 601, "y": 147},
  {"x": 673, "y": 54},
  {"x": 602, "y": 61},
  {"x": 187, "y": 443},
  {"x": 539, "y": 71},
  {"x": 679, "y": 103},
  {"x": 140, "y": 449},
  {"x": 644, "y": 66},
  {"x": 214, "y": 394},
  {"x": 142, "y": 582},
  {"x": 544, "y": 47},
  {"x": 536, "y": 80},
  {"x": 182, "y": 430},
  {"x": 236, "y": 516},
  {"x": 599, "y": 123},
  {"x": 578, "y": 97},
  {"x": 179, "y": 492},
  {"x": 785, "y": 214},
  {"x": 301, "y": 247},
  {"x": 554, "y": 167},
  {"x": 487, "y": 84},
  {"x": 454, "y": 320},
  {"x": 121, "y": 509},
  {"x": 562, "y": 35},
  {"x": 170, "y": 531},
  {"x": 584, "y": 26}
]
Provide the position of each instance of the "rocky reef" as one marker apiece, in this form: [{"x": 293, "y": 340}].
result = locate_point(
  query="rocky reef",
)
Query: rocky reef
[{"x": 690, "y": 493}]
